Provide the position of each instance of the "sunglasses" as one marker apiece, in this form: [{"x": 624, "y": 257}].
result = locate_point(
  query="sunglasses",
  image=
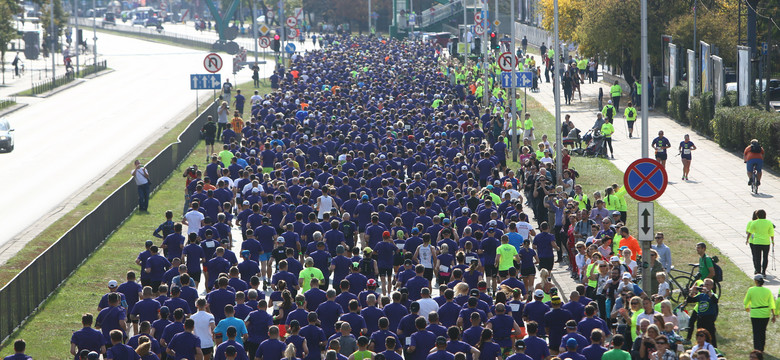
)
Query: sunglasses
[
  {"x": 660, "y": 342},
  {"x": 699, "y": 335}
]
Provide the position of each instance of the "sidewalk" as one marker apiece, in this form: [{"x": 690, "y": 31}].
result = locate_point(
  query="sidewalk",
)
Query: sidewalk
[{"x": 716, "y": 202}]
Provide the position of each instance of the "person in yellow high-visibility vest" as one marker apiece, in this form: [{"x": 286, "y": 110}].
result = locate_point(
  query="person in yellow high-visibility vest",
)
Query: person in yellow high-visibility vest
[
  {"x": 607, "y": 130},
  {"x": 630, "y": 115},
  {"x": 616, "y": 91}
]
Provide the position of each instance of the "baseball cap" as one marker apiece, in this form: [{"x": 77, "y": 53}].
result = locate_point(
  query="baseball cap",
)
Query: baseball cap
[
  {"x": 616, "y": 212},
  {"x": 415, "y": 306},
  {"x": 386, "y": 234},
  {"x": 572, "y": 342},
  {"x": 520, "y": 344},
  {"x": 571, "y": 324},
  {"x": 415, "y": 230},
  {"x": 490, "y": 187},
  {"x": 246, "y": 202},
  {"x": 113, "y": 284},
  {"x": 364, "y": 197},
  {"x": 245, "y": 253},
  {"x": 758, "y": 277},
  {"x": 555, "y": 300},
  {"x": 367, "y": 250},
  {"x": 441, "y": 340},
  {"x": 93, "y": 356},
  {"x": 280, "y": 240},
  {"x": 614, "y": 258},
  {"x": 609, "y": 101},
  {"x": 626, "y": 276},
  {"x": 371, "y": 282},
  {"x": 356, "y": 264},
  {"x": 465, "y": 210},
  {"x": 538, "y": 293},
  {"x": 474, "y": 292},
  {"x": 445, "y": 221},
  {"x": 408, "y": 262}
]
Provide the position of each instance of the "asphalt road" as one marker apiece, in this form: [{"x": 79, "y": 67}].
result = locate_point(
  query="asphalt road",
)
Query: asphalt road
[{"x": 72, "y": 142}]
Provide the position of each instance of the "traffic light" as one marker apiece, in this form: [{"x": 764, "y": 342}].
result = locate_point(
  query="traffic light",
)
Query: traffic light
[
  {"x": 494, "y": 41},
  {"x": 276, "y": 45}
]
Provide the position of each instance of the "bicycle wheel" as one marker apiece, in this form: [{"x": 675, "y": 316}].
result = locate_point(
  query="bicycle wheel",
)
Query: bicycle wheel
[
  {"x": 716, "y": 289},
  {"x": 754, "y": 186},
  {"x": 680, "y": 294}
]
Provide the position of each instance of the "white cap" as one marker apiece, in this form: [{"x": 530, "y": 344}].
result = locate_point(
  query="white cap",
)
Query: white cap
[
  {"x": 626, "y": 276},
  {"x": 538, "y": 293},
  {"x": 614, "y": 258},
  {"x": 246, "y": 202},
  {"x": 113, "y": 284}
]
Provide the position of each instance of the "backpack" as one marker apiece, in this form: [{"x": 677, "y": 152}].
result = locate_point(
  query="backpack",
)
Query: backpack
[
  {"x": 609, "y": 112},
  {"x": 630, "y": 113},
  {"x": 718, "y": 277},
  {"x": 756, "y": 148}
]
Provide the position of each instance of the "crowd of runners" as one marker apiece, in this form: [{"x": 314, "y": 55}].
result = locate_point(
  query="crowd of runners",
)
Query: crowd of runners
[{"x": 365, "y": 210}]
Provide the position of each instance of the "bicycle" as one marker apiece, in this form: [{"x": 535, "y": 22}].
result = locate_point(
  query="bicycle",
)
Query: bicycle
[
  {"x": 682, "y": 284},
  {"x": 754, "y": 180}
]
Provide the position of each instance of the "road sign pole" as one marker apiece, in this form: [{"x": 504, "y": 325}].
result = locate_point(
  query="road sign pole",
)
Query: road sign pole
[
  {"x": 557, "y": 88},
  {"x": 485, "y": 50},
  {"x": 283, "y": 35},
  {"x": 513, "y": 118},
  {"x": 645, "y": 234},
  {"x": 645, "y": 85},
  {"x": 78, "y": 46},
  {"x": 254, "y": 29}
]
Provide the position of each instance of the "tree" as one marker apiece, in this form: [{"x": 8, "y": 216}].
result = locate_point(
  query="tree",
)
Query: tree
[
  {"x": 60, "y": 22},
  {"x": 717, "y": 28},
  {"x": 7, "y": 30},
  {"x": 569, "y": 16}
]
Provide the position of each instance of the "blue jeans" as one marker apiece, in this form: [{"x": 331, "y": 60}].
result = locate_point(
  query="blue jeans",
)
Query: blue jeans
[{"x": 143, "y": 196}]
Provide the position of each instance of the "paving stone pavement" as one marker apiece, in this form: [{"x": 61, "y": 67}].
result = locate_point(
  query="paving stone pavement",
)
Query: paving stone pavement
[{"x": 715, "y": 202}]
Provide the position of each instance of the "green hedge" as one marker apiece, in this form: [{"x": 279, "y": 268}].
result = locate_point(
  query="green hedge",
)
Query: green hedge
[
  {"x": 729, "y": 100},
  {"x": 734, "y": 127},
  {"x": 678, "y": 103},
  {"x": 701, "y": 113}
]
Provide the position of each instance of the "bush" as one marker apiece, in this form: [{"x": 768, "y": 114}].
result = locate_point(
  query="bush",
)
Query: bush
[
  {"x": 729, "y": 100},
  {"x": 701, "y": 113},
  {"x": 734, "y": 127},
  {"x": 678, "y": 108}
]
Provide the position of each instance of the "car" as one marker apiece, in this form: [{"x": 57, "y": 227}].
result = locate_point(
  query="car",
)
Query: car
[
  {"x": 109, "y": 19},
  {"x": 152, "y": 21},
  {"x": 773, "y": 90},
  {"x": 6, "y": 136}
]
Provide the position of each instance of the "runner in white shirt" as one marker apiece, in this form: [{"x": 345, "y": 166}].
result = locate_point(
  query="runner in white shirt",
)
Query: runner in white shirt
[
  {"x": 256, "y": 99},
  {"x": 325, "y": 203},
  {"x": 193, "y": 219},
  {"x": 204, "y": 325},
  {"x": 524, "y": 228}
]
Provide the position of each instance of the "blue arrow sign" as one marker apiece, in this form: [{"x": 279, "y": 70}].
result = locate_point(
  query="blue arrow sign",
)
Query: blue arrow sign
[
  {"x": 506, "y": 80},
  {"x": 205, "y": 82},
  {"x": 289, "y": 48},
  {"x": 764, "y": 48},
  {"x": 524, "y": 79}
]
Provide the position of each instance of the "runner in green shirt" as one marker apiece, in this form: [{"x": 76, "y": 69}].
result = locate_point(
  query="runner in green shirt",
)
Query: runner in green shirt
[
  {"x": 362, "y": 353},
  {"x": 310, "y": 272},
  {"x": 506, "y": 255}
]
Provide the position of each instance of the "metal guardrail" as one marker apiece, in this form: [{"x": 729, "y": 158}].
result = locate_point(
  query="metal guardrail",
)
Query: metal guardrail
[
  {"x": 43, "y": 86},
  {"x": 22, "y": 296},
  {"x": 7, "y": 102},
  {"x": 92, "y": 69},
  {"x": 439, "y": 13}
]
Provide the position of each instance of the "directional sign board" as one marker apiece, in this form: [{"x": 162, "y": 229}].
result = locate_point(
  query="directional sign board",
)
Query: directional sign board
[
  {"x": 264, "y": 41},
  {"x": 289, "y": 48},
  {"x": 291, "y": 22},
  {"x": 205, "y": 82},
  {"x": 479, "y": 29},
  {"x": 212, "y": 63},
  {"x": 507, "y": 61},
  {"x": 522, "y": 79},
  {"x": 478, "y": 17},
  {"x": 645, "y": 179},
  {"x": 264, "y": 29},
  {"x": 646, "y": 214},
  {"x": 764, "y": 48}
]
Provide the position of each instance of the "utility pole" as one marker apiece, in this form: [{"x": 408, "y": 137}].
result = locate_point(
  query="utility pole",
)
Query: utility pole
[
  {"x": 254, "y": 29},
  {"x": 76, "y": 14},
  {"x": 693, "y": 77},
  {"x": 369, "y": 17},
  {"x": 557, "y": 92},
  {"x": 513, "y": 120},
  {"x": 282, "y": 24},
  {"x": 94, "y": 31},
  {"x": 645, "y": 133},
  {"x": 485, "y": 52},
  {"x": 53, "y": 40},
  {"x": 768, "y": 70}
]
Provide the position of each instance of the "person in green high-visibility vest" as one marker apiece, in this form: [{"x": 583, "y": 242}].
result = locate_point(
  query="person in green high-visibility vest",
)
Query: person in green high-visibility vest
[
  {"x": 630, "y": 115},
  {"x": 761, "y": 306},
  {"x": 582, "y": 66},
  {"x": 616, "y": 91},
  {"x": 638, "y": 93},
  {"x": 607, "y": 130}
]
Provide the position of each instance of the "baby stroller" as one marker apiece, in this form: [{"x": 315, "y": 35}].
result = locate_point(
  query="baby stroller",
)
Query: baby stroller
[
  {"x": 595, "y": 144},
  {"x": 573, "y": 139}
]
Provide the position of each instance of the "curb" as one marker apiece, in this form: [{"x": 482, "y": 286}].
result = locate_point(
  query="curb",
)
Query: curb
[{"x": 11, "y": 109}]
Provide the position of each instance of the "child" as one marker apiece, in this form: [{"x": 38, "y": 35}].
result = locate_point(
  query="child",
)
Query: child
[
  {"x": 663, "y": 285},
  {"x": 675, "y": 340}
]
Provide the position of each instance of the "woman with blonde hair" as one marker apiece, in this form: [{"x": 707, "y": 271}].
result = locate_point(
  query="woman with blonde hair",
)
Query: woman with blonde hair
[
  {"x": 289, "y": 353},
  {"x": 144, "y": 349}
]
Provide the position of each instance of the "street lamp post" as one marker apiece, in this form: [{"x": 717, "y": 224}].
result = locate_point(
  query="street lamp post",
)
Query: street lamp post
[
  {"x": 52, "y": 39},
  {"x": 94, "y": 31}
]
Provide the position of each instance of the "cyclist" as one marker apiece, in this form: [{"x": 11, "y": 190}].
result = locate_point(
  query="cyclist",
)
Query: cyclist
[{"x": 754, "y": 157}]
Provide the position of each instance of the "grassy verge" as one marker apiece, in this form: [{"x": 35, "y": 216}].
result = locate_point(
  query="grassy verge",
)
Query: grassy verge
[
  {"x": 6, "y": 104},
  {"x": 597, "y": 174},
  {"x": 48, "y": 331},
  {"x": 59, "y": 227}
]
